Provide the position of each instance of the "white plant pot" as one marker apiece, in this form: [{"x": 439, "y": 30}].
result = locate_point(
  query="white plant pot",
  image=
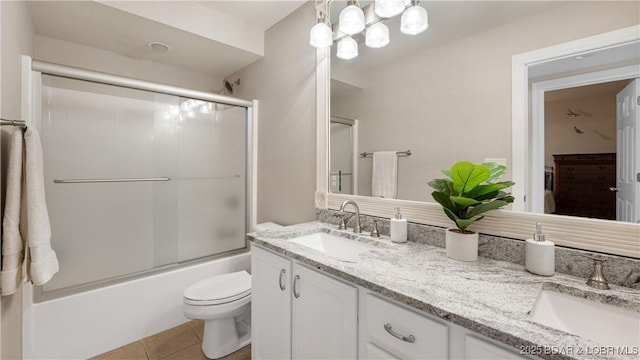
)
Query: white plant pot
[{"x": 463, "y": 247}]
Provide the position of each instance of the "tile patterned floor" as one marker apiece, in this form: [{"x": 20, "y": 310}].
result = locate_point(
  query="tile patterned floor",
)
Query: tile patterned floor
[{"x": 183, "y": 342}]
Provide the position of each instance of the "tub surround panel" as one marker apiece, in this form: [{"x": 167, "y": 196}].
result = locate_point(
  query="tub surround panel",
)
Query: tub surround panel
[
  {"x": 618, "y": 270},
  {"x": 490, "y": 297}
]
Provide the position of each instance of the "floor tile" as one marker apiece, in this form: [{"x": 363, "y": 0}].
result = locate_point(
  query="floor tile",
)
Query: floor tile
[
  {"x": 133, "y": 351},
  {"x": 198, "y": 327},
  {"x": 242, "y": 354},
  {"x": 170, "y": 341},
  {"x": 193, "y": 352}
]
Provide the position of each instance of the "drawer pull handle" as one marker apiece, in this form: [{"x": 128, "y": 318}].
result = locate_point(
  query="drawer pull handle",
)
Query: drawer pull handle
[
  {"x": 409, "y": 339},
  {"x": 282, "y": 285},
  {"x": 295, "y": 287}
]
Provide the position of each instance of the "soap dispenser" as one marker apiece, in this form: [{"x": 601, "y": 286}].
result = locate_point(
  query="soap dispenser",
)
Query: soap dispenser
[
  {"x": 398, "y": 228},
  {"x": 540, "y": 257}
]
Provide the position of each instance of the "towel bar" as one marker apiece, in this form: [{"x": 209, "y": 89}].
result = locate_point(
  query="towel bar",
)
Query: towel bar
[
  {"x": 399, "y": 153},
  {"x": 20, "y": 123}
]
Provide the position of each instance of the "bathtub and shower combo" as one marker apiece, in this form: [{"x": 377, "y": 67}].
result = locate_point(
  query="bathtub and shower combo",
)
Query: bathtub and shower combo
[{"x": 150, "y": 188}]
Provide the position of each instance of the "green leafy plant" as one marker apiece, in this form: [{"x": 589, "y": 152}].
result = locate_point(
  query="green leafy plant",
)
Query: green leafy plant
[{"x": 469, "y": 192}]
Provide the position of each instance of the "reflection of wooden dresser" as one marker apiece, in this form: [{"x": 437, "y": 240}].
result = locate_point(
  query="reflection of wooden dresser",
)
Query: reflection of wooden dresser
[{"x": 582, "y": 185}]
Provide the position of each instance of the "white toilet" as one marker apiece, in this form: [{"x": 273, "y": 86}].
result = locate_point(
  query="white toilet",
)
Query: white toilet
[{"x": 224, "y": 303}]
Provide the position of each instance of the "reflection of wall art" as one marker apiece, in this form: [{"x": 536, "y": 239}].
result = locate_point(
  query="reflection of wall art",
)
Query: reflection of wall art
[
  {"x": 602, "y": 136},
  {"x": 572, "y": 113},
  {"x": 578, "y": 112}
]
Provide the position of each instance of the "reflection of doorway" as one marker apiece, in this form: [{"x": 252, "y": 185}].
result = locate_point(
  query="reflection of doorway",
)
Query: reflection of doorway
[
  {"x": 343, "y": 174},
  {"x": 628, "y": 169},
  {"x": 576, "y": 116}
]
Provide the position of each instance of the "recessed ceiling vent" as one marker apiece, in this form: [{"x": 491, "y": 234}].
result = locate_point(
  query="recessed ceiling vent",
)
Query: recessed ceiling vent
[{"x": 159, "y": 47}]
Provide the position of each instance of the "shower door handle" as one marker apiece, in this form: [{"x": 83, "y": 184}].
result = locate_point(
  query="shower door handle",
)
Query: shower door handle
[
  {"x": 283, "y": 287},
  {"x": 111, "y": 180}
]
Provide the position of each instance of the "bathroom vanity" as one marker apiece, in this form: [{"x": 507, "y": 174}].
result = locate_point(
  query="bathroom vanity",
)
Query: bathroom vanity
[{"x": 319, "y": 292}]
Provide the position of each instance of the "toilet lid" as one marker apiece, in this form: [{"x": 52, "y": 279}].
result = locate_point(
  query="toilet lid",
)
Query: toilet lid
[{"x": 220, "y": 289}]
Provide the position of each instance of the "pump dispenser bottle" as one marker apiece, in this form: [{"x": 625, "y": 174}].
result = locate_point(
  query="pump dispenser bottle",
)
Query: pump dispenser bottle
[
  {"x": 540, "y": 257},
  {"x": 398, "y": 228}
]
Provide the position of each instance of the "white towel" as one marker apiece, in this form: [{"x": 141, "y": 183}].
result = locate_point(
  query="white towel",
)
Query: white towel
[
  {"x": 384, "y": 176},
  {"x": 40, "y": 262},
  {"x": 12, "y": 245}
]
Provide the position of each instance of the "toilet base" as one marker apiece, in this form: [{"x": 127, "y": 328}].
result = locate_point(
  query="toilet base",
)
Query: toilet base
[{"x": 218, "y": 341}]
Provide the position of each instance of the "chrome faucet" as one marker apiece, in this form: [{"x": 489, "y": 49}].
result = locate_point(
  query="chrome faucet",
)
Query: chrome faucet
[
  {"x": 343, "y": 225},
  {"x": 597, "y": 279}
]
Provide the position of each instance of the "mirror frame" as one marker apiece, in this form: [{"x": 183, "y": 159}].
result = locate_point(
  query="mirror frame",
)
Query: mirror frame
[{"x": 588, "y": 234}]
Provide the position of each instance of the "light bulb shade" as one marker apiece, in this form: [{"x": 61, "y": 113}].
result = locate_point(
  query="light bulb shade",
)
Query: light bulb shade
[
  {"x": 351, "y": 20},
  {"x": 320, "y": 36},
  {"x": 347, "y": 48},
  {"x": 414, "y": 20},
  {"x": 377, "y": 35},
  {"x": 389, "y": 8}
]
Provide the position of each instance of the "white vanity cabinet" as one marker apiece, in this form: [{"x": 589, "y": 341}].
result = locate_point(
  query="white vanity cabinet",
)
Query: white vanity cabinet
[
  {"x": 298, "y": 312},
  {"x": 301, "y": 313}
]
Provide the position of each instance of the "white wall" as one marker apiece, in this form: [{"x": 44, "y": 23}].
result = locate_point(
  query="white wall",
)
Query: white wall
[
  {"x": 453, "y": 102},
  {"x": 284, "y": 82},
  {"x": 16, "y": 40}
]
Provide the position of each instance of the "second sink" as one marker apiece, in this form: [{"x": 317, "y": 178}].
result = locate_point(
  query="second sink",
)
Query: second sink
[{"x": 603, "y": 323}]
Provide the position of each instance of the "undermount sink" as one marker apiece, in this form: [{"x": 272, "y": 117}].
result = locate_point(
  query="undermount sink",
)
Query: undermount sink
[
  {"x": 605, "y": 324},
  {"x": 339, "y": 247}
]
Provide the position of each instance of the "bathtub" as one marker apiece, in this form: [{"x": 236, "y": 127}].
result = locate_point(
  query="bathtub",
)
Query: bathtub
[{"x": 86, "y": 324}]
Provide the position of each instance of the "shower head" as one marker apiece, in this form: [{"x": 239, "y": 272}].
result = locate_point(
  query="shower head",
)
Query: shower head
[{"x": 228, "y": 86}]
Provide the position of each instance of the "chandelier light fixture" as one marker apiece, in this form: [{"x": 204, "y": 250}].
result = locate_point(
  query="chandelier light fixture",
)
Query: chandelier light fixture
[
  {"x": 414, "y": 19},
  {"x": 377, "y": 35},
  {"x": 347, "y": 48},
  {"x": 321, "y": 35},
  {"x": 389, "y": 8},
  {"x": 353, "y": 20}
]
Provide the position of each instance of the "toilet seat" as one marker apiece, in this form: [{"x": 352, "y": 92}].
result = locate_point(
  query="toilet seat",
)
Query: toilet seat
[{"x": 220, "y": 289}]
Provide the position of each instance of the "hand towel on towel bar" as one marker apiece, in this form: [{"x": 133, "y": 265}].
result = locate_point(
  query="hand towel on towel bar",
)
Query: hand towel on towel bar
[
  {"x": 12, "y": 246},
  {"x": 384, "y": 176},
  {"x": 41, "y": 262}
]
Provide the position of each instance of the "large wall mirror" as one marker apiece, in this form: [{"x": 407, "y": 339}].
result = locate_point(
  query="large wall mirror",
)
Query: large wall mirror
[{"x": 446, "y": 95}]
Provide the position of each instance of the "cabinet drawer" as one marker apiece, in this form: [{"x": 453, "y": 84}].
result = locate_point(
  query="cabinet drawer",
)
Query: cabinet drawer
[{"x": 388, "y": 323}]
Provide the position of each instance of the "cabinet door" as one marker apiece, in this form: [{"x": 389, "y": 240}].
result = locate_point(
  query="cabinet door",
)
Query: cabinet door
[
  {"x": 324, "y": 316},
  {"x": 477, "y": 349},
  {"x": 270, "y": 305},
  {"x": 375, "y": 353}
]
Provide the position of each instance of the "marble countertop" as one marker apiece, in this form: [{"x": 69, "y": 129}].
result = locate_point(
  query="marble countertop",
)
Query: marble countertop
[{"x": 490, "y": 297}]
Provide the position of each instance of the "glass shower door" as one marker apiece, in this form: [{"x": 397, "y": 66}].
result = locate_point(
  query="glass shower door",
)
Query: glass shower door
[
  {"x": 212, "y": 179},
  {"x": 137, "y": 180}
]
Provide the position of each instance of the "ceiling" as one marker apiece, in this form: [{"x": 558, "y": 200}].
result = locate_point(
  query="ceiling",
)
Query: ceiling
[
  {"x": 262, "y": 13},
  {"x": 213, "y": 37}
]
